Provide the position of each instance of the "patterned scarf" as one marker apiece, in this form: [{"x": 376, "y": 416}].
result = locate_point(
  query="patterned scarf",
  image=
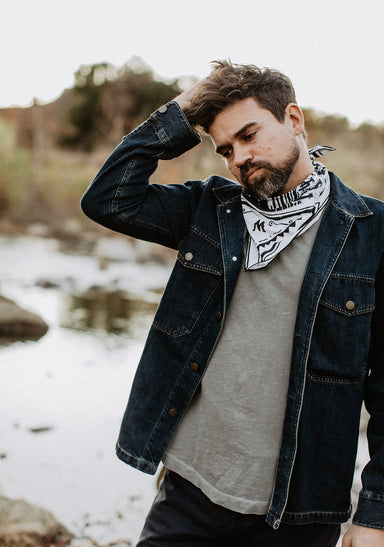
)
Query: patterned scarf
[{"x": 273, "y": 223}]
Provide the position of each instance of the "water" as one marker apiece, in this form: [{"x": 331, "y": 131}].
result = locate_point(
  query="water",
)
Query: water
[{"x": 63, "y": 397}]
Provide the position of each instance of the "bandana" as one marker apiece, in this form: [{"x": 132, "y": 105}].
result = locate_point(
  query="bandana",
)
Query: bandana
[{"x": 273, "y": 223}]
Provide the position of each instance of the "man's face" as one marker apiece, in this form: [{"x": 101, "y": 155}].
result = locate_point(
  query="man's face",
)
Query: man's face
[{"x": 260, "y": 152}]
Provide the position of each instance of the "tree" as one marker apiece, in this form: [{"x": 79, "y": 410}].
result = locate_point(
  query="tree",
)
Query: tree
[{"x": 107, "y": 98}]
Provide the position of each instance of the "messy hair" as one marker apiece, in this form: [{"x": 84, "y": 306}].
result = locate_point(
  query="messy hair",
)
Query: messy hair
[{"x": 229, "y": 83}]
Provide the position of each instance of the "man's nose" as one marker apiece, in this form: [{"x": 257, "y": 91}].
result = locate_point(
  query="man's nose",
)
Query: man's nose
[{"x": 242, "y": 154}]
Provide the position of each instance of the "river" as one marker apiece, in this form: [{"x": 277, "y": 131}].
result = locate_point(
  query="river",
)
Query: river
[{"x": 63, "y": 396}]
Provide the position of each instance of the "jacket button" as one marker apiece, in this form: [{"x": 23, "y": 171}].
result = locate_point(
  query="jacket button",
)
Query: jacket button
[
  {"x": 218, "y": 315},
  {"x": 172, "y": 412},
  {"x": 188, "y": 256},
  {"x": 350, "y": 305},
  {"x": 163, "y": 109},
  {"x": 194, "y": 367}
]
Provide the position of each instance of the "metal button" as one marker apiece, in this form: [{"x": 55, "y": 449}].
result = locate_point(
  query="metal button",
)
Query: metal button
[
  {"x": 234, "y": 258},
  {"x": 218, "y": 315},
  {"x": 194, "y": 367},
  {"x": 163, "y": 109},
  {"x": 228, "y": 211},
  {"x": 172, "y": 412},
  {"x": 188, "y": 256},
  {"x": 350, "y": 305}
]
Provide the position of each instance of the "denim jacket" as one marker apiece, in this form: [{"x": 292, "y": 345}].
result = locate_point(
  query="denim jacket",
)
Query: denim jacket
[{"x": 337, "y": 359}]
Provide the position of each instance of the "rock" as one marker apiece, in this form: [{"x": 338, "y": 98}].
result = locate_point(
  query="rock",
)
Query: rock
[
  {"x": 19, "y": 324},
  {"x": 23, "y": 524}
]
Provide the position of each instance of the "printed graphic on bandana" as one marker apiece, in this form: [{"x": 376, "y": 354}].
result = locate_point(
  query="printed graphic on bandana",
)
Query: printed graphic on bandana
[
  {"x": 272, "y": 224},
  {"x": 276, "y": 231}
]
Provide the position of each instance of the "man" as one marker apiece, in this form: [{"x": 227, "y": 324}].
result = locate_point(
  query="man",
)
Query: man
[{"x": 267, "y": 338}]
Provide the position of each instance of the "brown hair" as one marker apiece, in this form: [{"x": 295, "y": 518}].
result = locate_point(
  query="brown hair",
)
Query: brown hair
[{"x": 229, "y": 83}]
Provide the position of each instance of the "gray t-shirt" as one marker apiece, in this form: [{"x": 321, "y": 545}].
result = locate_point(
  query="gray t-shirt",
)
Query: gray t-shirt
[{"x": 228, "y": 442}]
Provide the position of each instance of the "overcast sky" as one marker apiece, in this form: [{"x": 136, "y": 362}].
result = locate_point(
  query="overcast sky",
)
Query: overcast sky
[{"x": 332, "y": 49}]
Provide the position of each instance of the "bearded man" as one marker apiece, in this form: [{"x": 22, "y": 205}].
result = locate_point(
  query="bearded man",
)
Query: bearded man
[{"x": 267, "y": 339}]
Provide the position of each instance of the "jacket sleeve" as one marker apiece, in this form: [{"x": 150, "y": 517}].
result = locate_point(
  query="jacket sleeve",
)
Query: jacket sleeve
[
  {"x": 121, "y": 198},
  {"x": 370, "y": 509}
]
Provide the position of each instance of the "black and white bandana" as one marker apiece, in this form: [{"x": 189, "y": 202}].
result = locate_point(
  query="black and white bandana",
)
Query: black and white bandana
[{"x": 273, "y": 223}]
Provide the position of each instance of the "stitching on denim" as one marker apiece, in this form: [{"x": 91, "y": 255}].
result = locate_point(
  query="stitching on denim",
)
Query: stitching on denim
[
  {"x": 354, "y": 277},
  {"x": 347, "y": 380},
  {"x": 358, "y": 311},
  {"x": 371, "y": 496},
  {"x": 181, "y": 332},
  {"x": 360, "y": 214},
  {"x": 319, "y": 513},
  {"x": 219, "y": 191},
  {"x": 141, "y": 126},
  {"x": 197, "y": 231},
  {"x": 123, "y": 452},
  {"x": 199, "y": 267},
  {"x": 119, "y": 189}
]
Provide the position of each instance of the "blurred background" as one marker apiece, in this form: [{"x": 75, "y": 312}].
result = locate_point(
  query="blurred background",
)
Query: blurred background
[{"x": 75, "y": 299}]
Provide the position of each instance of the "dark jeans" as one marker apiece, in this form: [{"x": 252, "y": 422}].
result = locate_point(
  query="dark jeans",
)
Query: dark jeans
[{"x": 182, "y": 516}]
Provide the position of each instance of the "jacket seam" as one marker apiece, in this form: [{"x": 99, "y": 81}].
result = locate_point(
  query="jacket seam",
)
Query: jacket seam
[
  {"x": 334, "y": 379},
  {"x": 319, "y": 513},
  {"x": 371, "y": 496},
  {"x": 200, "y": 267},
  {"x": 353, "y": 277},
  {"x": 359, "y": 311},
  {"x": 135, "y": 458},
  {"x": 197, "y": 231}
]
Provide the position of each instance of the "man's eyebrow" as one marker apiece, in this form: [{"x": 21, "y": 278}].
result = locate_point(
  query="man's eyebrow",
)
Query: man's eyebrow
[
  {"x": 245, "y": 128},
  {"x": 239, "y": 133}
]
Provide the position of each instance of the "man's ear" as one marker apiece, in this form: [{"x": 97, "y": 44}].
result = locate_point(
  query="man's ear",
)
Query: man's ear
[{"x": 295, "y": 115}]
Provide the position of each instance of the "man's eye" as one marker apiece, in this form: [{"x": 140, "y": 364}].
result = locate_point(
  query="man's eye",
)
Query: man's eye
[
  {"x": 226, "y": 153},
  {"x": 249, "y": 136}
]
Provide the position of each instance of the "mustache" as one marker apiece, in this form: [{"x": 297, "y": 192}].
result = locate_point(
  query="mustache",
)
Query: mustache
[{"x": 249, "y": 165}]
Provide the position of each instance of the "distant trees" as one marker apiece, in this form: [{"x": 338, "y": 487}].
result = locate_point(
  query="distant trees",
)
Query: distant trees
[
  {"x": 110, "y": 101},
  {"x": 50, "y": 152}
]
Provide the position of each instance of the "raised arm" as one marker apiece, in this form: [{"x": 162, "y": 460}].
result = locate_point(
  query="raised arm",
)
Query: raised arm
[{"x": 121, "y": 198}]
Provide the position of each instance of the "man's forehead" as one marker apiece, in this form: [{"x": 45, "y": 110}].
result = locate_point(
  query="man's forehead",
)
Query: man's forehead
[{"x": 236, "y": 118}]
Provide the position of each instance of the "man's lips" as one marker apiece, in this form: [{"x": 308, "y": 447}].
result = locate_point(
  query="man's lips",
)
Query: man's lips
[{"x": 252, "y": 174}]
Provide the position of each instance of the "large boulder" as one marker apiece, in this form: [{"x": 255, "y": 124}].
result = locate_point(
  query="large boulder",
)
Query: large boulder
[
  {"x": 23, "y": 524},
  {"x": 19, "y": 324}
]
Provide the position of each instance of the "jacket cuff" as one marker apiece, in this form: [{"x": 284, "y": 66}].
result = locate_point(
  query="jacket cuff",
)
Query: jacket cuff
[
  {"x": 370, "y": 510},
  {"x": 174, "y": 130}
]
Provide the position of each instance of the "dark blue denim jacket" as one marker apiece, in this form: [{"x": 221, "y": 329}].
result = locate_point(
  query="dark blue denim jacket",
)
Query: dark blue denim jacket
[{"x": 337, "y": 358}]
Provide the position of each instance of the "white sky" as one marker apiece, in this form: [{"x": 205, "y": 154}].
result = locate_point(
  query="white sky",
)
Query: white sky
[{"x": 332, "y": 49}]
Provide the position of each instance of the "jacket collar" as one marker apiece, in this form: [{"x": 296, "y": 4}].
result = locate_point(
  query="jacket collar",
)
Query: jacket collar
[
  {"x": 347, "y": 200},
  {"x": 228, "y": 193},
  {"x": 342, "y": 197}
]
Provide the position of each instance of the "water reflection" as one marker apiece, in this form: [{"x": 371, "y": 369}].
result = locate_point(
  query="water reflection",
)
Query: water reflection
[{"x": 115, "y": 311}]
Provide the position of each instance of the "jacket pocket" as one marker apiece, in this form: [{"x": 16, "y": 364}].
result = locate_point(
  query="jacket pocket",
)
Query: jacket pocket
[
  {"x": 341, "y": 336},
  {"x": 197, "y": 273}
]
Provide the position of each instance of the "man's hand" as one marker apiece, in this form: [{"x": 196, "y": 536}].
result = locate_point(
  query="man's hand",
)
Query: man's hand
[
  {"x": 184, "y": 99},
  {"x": 362, "y": 536}
]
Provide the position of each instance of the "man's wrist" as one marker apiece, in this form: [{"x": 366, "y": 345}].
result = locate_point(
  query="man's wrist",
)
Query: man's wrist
[{"x": 174, "y": 130}]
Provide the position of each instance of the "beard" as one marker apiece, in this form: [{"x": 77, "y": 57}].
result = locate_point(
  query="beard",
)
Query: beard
[{"x": 272, "y": 180}]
